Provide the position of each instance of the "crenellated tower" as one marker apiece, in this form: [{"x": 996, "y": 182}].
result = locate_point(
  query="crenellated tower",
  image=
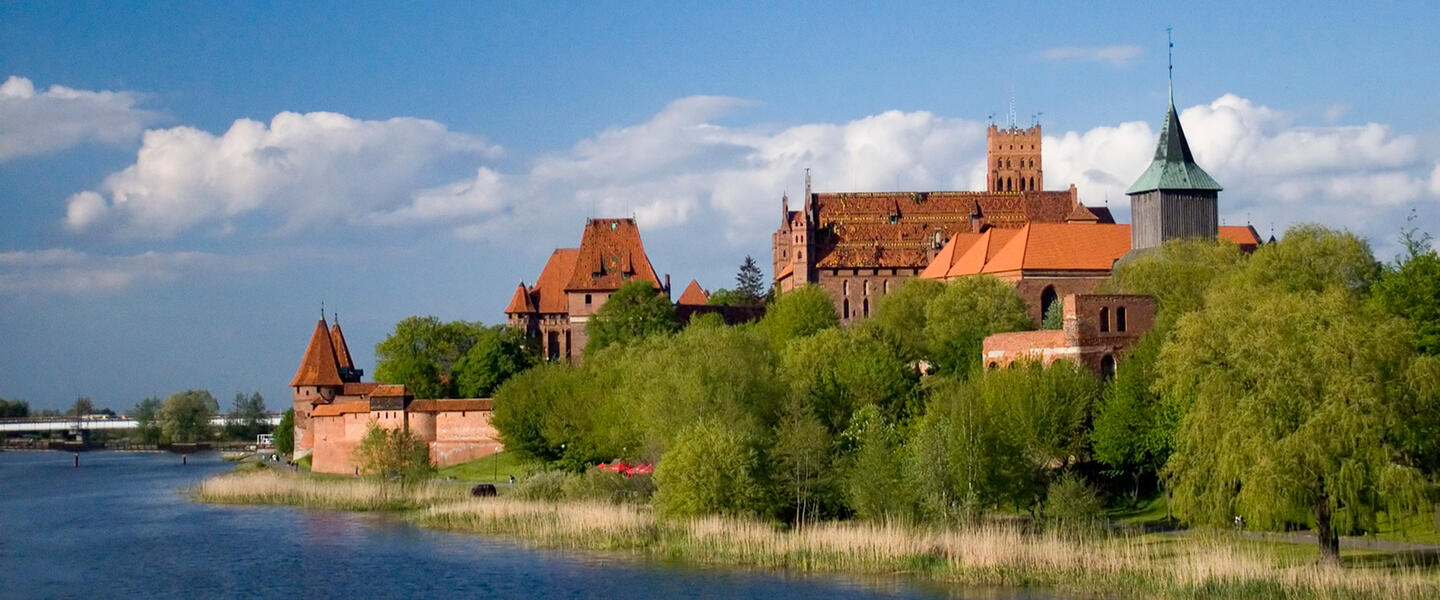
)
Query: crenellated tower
[{"x": 1013, "y": 156}]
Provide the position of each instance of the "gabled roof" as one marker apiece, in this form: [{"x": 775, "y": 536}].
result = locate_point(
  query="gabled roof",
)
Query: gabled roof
[
  {"x": 342, "y": 351},
  {"x": 1063, "y": 247},
  {"x": 1081, "y": 214},
  {"x": 693, "y": 294},
  {"x": 341, "y": 408},
  {"x": 520, "y": 302},
  {"x": 1174, "y": 166},
  {"x": 968, "y": 253},
  {"x": 548, "y": 295},
  {"x": 1244, "y": 236},
  {"x": 610, "y": 255},
  {"x": 318, "y": 366}
]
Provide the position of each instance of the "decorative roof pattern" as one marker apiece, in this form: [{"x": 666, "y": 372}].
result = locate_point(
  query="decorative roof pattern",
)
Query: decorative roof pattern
[
  {"x": 610, "y": 255},
  {"x": 1174, "y": 166},
  {"x": 318, "y": 366}
]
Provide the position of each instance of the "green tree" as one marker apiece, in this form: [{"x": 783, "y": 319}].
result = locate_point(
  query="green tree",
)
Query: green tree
[
  {"x": 285, "y": 433},
  {"x": 968, "y": 310},
  {"x": 1292, "y": 401},
  {"x": 497, "y": 355},
  {"x": 633, "y": 312},
  {"x": 1411, "y": 289},
  {"x": 393, "y": 453},
  {"x": 802, "y": 464},
  {"x": 836, "y": 371},
  {"x": 872, "y": 485},
  {"x": 712, "y": 469},
  {"x": 750, "y": 282},
  {"x": 902, "y": 312},
  {"x": 1054, "y": 317},
  {"x": 83, "y": 406},
  {"x": 799, "y": 313},
  {"x": 1177, "y": 273},
  {"x": 185, "y": 416},
  {"x": 14, "y": 409},
  {"x": 421, "y": 354},
  {"x": 1312, "y": 258},
  {"x": 1134, "y": 430},
  {"x": 147, "y": 420},
  {"x": 247, "y": 417}
]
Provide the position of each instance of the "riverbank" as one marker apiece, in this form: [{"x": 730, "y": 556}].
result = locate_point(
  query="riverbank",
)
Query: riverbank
[{"x": 990, "y": 555}]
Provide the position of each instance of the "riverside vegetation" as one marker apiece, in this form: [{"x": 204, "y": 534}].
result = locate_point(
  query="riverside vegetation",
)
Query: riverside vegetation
[{"x": 1297, "y": 388}]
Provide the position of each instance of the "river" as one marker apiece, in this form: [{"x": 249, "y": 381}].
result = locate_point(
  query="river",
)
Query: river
[{"x": 119, "y": 527}]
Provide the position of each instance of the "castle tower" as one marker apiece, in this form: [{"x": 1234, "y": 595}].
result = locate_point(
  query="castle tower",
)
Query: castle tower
[
  {"x": 343, "y": 363},
  {"x": 1174, "y": 197},
  {"x": 1013, "y": 156},
  {"x": 317, "y": 381}
]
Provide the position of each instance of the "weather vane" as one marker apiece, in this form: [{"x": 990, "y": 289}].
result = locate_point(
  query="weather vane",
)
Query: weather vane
[{"x": 1170, "y": 62}]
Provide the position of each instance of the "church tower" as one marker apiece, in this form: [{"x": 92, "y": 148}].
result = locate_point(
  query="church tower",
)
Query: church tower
[
  {"x": 1014, "y": 159},
  {"x": 1174, "y": 197}
]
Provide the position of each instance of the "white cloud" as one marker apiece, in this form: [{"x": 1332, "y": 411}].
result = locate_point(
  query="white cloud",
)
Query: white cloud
[
  {"x": 302, "y": 169},
  {"x": 1435, "y": 180},
  {"x": 1117, "y": 56},
  {"x": 66, "y": 271},
  {"x": 36, "y": 123}
]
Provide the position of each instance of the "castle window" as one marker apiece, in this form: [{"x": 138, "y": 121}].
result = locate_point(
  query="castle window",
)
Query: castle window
[
  {"x": 1047, "y": 297},
  {"x": 1120, "y": 319},
  {"x": 845, "y": 309},
  {"x": 867, "y": 288},
  {"x": 845, "y": 287},
  {"x": 866, "y": 306},
  {"x": 587, "y": 299},
  {"x": 1104, "y": 319},
  {"x": 1008, "y": 185},
  {"x": 1032, "y": 183},
  {"x": 1022, "y": 184},
  {"x": 885, "y": 285}
]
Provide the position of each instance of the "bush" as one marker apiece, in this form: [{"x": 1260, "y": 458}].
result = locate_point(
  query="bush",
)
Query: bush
[
  {"x": 712, "y": 469},
  {"x": 601, "y": 486},
  {"x": 547, "y": 486},
  {"x": 1073, "y": 506}
]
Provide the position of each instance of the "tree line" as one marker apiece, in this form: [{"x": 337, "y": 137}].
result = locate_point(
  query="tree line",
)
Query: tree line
[{"x": 1295, "y": 387}]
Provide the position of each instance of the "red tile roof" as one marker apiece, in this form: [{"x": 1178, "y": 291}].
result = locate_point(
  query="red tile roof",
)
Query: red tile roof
[
  {"x": 434, "y": 406},
  {"x": 610, "y": 255},
  {"x": 548, "y": 295},
  {"x": 342, "y": 351},
  {"x": 693, "y": 294},
  {"x": 896, "y": 229},
  {"x": 1243, "y": 236},
  {"x": 318, "y": 366},
  {"x": 388, "y": 390},
  {"x": 520, "y": 302},
  {"x": 335, "y": 410},
  {"x": 358, "y": 389}
]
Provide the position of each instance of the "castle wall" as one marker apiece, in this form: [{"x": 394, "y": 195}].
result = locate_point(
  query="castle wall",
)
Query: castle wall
[
  {"x": 1098, "y": 329},
  {"x": 856, "y": 292},
  {"x": 463, "y": 436},
  {"x": 336, "y": 438}
]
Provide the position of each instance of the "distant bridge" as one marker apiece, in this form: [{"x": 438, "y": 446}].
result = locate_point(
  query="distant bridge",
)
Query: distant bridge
[{"x": 94, "y": 423}]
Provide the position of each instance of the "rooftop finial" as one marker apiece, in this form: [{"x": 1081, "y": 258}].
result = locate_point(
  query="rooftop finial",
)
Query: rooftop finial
[
  {"x": 322, "y": 310},
  {"x": 1170, "y": 62}
]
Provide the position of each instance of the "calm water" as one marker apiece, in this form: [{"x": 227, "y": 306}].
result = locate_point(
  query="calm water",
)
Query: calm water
[{"x": 117, "y": 527}]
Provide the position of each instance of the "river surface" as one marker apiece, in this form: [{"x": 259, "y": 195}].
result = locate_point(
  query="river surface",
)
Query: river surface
[{"x": 119, "y": 527}]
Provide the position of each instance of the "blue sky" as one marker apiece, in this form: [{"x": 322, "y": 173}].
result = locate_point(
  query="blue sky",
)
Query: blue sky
[{"x": 182, "y": 184}]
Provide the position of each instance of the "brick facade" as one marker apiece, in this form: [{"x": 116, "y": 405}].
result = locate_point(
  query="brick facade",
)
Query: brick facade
[{"x": 1097, "y": 330}]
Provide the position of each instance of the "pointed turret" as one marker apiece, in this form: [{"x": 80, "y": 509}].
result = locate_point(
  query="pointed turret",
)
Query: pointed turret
[
  {"x": 318, "y": 367},
  {"x": 1173, "y": 168},
  {"x": 693, "y": 294},
  {"x": 342, "y": 351},
  {"x": 520, "y": 303},
  {"x": 1174, "y": 197}
]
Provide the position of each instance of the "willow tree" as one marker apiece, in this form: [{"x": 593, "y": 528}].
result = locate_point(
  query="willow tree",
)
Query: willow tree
[{"x": 1293, "y": 403}]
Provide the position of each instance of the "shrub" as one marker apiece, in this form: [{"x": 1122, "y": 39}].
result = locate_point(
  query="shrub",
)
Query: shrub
[
  {"x": 546, "y": 485},
  {"x": 597, "y": 485},
  {"x": 1072, "y": 505}
]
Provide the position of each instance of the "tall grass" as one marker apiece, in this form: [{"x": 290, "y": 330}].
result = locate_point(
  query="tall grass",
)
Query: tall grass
[{"x": 986, "y": 554}]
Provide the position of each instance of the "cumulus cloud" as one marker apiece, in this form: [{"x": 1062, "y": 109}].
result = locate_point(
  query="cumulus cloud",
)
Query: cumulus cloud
[
  {"x": 66, "y": 271},
  {"x": 301, "y": 169},
  {"x": 41, "y": 122},
  {"x": 1116, "y": 56}
]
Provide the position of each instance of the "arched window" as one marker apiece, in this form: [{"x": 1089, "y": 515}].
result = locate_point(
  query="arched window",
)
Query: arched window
[
  {"x": 1022, "y": 184},
  {"x": 865, "y": 305},
  {"x": 1009, "y": 184},
  {"x": 1107, "y": 367},
  {"x": 1104, "y": 319},
  {"x": 845, "y": 309},
  {"x": 845, "y": 287},
  {"x": 1032, "y": 183},
  {"x": 1120, "y": 319},
  {"x": 1047, "y": 297},
  {"x": 867, "y": 287}
]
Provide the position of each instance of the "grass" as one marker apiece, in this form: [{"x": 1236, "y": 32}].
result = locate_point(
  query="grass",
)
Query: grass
[
  {"x": 1193, "y": 565},
  {"x": 495, "y": 468}
]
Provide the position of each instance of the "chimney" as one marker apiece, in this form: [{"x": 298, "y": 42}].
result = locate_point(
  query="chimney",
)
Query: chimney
[{"x": 667, "y": 285}]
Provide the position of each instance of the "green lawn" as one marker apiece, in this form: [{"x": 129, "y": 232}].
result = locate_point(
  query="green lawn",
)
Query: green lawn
[
  {"x": 1412, "y": 528},
  {"x": 490, "y": 469}
]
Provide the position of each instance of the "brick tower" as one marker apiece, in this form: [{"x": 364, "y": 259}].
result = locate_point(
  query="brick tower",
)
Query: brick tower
[{"x": 1014, "y": 156}]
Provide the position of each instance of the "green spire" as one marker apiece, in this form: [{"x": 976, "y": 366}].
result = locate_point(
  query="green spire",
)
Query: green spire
[{"x": 1174, "y": 166}]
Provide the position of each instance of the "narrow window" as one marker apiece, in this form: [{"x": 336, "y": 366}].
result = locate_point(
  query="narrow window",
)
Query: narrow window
[
  {"x": 866, "y": 307},
  {"x": 885, "y": 285},
  {"x": 1104, "y": 319},
  {"x": 587, "y": 299},
  {"x": 867, "y": 289},
  {"x": 845, "y": 309},
  {"x": 845, "y": 287},
  {"x": 1047, "y": 298},
  {"x": 1120, "y": 319}
]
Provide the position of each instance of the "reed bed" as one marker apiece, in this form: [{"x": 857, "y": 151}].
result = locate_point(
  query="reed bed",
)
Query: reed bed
[{"x": 985, "y": 554}]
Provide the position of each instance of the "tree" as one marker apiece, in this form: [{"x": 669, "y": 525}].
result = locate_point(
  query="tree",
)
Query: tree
[
  {"x": 421, "y": 354},
  {"x": 14, "y": 409},
  {"x": 247, "y": 417},
  {"x": 873, "y": 486},
  {"x": 802, "y": 462},
  {"x": 1411, "y": 289},
  {"x": 1177, "y": 273},
  {"x": 498, "y": 354},
  {"x": 1054, "y": 317},
  {"x": 1294, "y": 407},
  {"x": 185, "y": 416},
  {"x": 712, "y": 469},
  {"x": 147, "y": 420},
  {"x": 1134, "y": 429},
  {"x": 749, "y": 282},
  {"x": 393, "y": 453},
  {"x": 901, "y": 313},
  {"x": 285, "y": 433},
  {"x": 836, "y": 371},
  {"x": 83, "y": 406},
  {"x": 633, "y": 312},
  {"x": 799, "y": 313},
  {"x": 968, "y": 310}
]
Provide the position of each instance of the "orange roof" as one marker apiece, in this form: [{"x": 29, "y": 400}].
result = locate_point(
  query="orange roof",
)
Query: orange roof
[
  {"x": 335, "y": 410},
  {"x": 1081, "y": 215},
  {"x": 610, "y": 255},
  {"x": 548, "y": 295},
  {"x": 388, "y": 390},
  {"x": 693, "y": 295},
  {"x": 1062, "y": 246},
  {"x": 1243, "y": 236},
  {"x": 786, "y": 271},
  {"x": 318, "y": 366},
  {"x": 896, "y": 229},
  {"x": 520, "y": 303},
  {"x": 434, "y": 406},
  {"x": 358, "y": 389},
  {"x": 967, "y": 253},
  {"x": 342, "y": 351}
]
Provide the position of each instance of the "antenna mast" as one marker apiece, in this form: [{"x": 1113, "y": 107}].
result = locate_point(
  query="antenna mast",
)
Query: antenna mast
[
  {"x": 1012, "y": 106},
  {"x": 1170, "y": 62}
]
